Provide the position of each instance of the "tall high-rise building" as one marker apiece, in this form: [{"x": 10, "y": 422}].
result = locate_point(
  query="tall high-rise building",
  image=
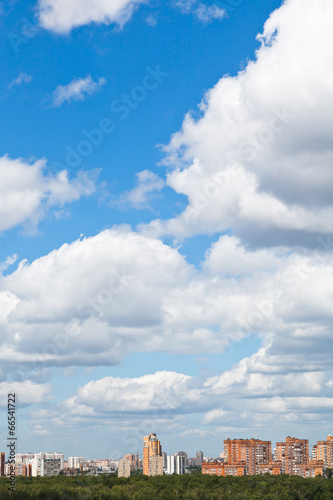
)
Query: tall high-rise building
[
  {"x": 2, "y": 464},
  {"x": 199, "y": 458},
  {"x": 124, "y": 468},
  {"x": 253, "y": 452},
  {"x": 151, "y": 448},
  {"x": 292, "y": 453},
  {"x": 323, "y": 450}
]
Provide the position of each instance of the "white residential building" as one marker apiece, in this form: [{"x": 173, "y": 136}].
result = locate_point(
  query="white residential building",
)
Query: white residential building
[
  {"x": 176, "y": 464},
  {"x": 74, "y": 462}
]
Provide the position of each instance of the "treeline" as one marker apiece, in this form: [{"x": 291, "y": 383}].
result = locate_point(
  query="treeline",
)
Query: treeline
[{"x": 187, "y": 487}]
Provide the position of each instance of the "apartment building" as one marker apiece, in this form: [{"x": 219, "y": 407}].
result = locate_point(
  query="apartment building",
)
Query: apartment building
[
  {"x": 223, "y": 469},
  {"x": 23, "y": 458},
  {"x": 124, "y": 468},
  {"x": 42, "y": 466},
  {"x": 134, "y": 460},
  {"x": 176, "y": 464},
  {"x": 323, "y": 451},
  {"x": 274, "y": 468},
  {"x": 75, "y": 462},
  {"x": 213, "y": 468},
  {"x": 199, "y": 458},
  {"x": 2, "y": 464},
  {"x": 151, "y": 448},
  {"x": 292, "y": 453},
  {"x": 312, "y": 469},
  {"x": 18, "y": 469},
  {"x": 253, "y": 452},
  {"x": 156, "y": 465}
]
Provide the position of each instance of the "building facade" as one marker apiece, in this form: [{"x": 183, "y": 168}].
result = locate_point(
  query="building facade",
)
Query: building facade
[
  {"x": 151, "y": 448},
  {"x": 124, "y": 468},
  {"x": 176, "y": 464},
  {"x": 323, "y": 451},
  {"x": 134, "y": 460},
  {"x": 292, "y": 453},
  {"x": 312, "y": 469},
  {"x": 199, "y": 458},
  {"x": 253, "y": 452},
  {"x": 2, "y": 464},
  {"x": 156, "y": 465},
  {"x": 75, "y": 462}
]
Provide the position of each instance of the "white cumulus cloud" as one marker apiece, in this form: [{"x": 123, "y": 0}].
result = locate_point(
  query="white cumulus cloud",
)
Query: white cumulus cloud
[
  {"x": 258, "y": 159},
  {"x": 63, "y": 16},
  {"x": 27, "y": 193}
]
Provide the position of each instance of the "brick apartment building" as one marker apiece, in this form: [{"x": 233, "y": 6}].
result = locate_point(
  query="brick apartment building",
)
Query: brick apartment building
[
  {"x": 253, "y": 452},
  {"x": 323, "y": 451},
  {"x": 253, "y": 456},
  {"x": 292, "y": 453},
  {"x": 152, "y": 448}
]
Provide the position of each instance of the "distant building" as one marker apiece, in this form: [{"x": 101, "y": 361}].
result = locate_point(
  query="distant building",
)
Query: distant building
[
  {"x": 156, "y": 465},
  {"x": 190, "y": 461},
  {"x": 134, "y": 460},
  {"x": 69, "y": 471},
  {"x": 46, "y": 466},
  {"x": 151, "y": 448},
  {"x": 323, "y": 451},
  {"x": 176, "y": 464},
  {"x": 292, "y": 453},
  {"x": 2, "y": 464},
  {"x": 165, "y": 459},
  {"x": 124, "y": 468},
  {"x": 75, "y": 462},
  {"x": 253, "y": 452},
  {"x": 199, "y": 458},
  {"x": 23, "y": 458},
  {"x": 274, "y": 468},
  {"x": 312, "y": 469}
]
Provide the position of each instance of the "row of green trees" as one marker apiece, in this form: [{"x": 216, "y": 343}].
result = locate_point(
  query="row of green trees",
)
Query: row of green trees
[{"x": 186, "y": 487}]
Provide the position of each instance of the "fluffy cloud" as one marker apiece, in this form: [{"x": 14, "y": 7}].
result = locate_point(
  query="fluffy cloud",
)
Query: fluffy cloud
[
  {"x": 172, "y": 403},
  {"x": 257, "y": 164},
  {"x": 27, "y": 194},
  {"x": 260, "y": 154},
  {"x": 63, "y": 16},
  {"x": 141, "y": 293},
  {"x": 159, "y": 391},
  {"x": 77, "y": 90},
  {"x": 26, "y": 392}
]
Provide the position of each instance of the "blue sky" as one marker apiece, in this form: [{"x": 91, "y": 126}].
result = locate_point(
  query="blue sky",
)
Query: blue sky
[{"x": 165, "y": 188}]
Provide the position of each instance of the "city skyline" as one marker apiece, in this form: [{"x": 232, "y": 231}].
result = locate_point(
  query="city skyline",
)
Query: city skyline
[
  {"x": 158, "y": 448},
  {"x": 165, "y": 223},
  {"x": 240, "y": 457}
]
